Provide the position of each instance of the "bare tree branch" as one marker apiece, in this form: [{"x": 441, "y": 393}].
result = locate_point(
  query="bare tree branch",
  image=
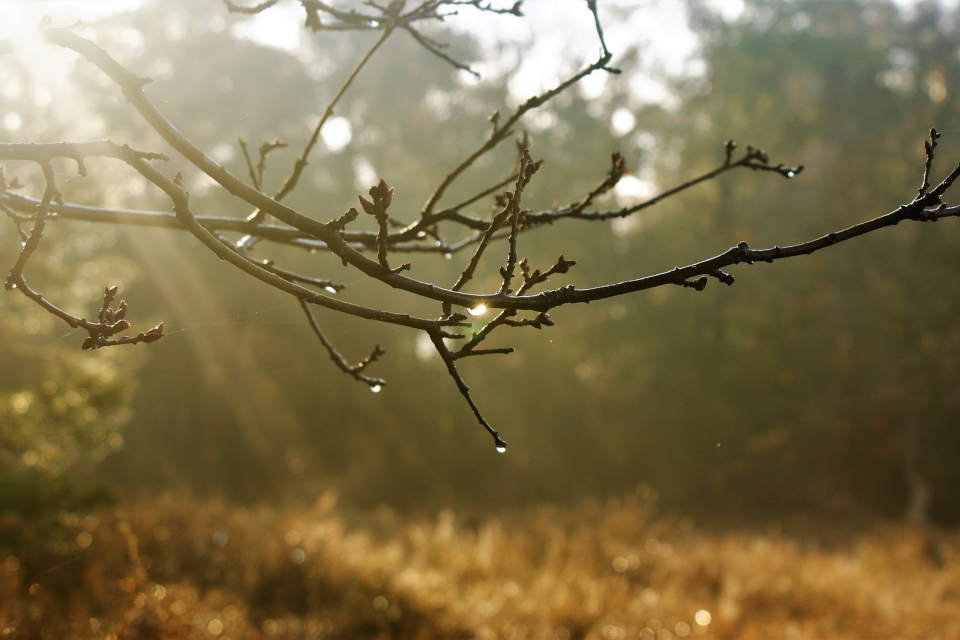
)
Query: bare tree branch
[{"x": 356, "y": 248}]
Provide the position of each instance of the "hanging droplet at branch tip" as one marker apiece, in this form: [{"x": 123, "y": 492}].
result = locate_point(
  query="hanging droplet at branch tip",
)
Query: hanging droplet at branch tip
[
  {"x": 330, "y": 289},
  {"x": 501, "y": 448},
  {"x": 478, "y": 310},
  {"x": 447, "y": 256},
  {"x": 376, "y": 388}
]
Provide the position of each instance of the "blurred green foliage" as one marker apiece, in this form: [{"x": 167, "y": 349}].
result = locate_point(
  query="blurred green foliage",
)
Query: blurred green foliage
[{"x": 61, "y": 410}]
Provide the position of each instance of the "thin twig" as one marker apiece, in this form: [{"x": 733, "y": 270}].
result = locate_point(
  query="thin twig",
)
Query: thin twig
[
  {"x": 495, "y": 223},
  {"x": 437, "y": 337},
  {"x": 928, "y": 147},
  {"x": 50, "y": 193},
  {"x": 432, "y": 47},
  {"x": 755, "y": 159},
  {"x": 592, "y": 5},
  {"x": 291, "y": 181},
  {"x": 486, "y": 192},
  {"x": 527, "y": 168},
  {"x": 356, "y": 371},
  {"x": 265, "y": 149},
  {"x": 246, "y": 156}
]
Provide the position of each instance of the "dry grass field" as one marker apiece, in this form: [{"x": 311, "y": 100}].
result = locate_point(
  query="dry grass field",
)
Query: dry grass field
[{"x": 177, "y": 568}]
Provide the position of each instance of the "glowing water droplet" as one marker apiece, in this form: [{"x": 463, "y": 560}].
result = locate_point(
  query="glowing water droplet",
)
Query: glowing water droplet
[
  {"x": 790, "y": 174},
  {"x": 421, "y": 234},
  {"x": 501, "y": 448},
  {"x": 447, "y": 256},
  {"x": 23, "y": 245},
  {"x": 313, "y": 250},
  {"x": 13, "y": 286},
  {"x": 478, "y": 310},
  {"x": 330, "y": 289},
  {"x": 376, "y": 388}
]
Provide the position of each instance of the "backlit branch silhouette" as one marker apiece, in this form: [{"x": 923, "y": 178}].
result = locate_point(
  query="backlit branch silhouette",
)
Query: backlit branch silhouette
[{"x": 272, "y": 222}]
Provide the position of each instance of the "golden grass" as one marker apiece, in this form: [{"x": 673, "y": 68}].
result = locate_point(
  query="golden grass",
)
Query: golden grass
[{"x": 175, "y": 568}]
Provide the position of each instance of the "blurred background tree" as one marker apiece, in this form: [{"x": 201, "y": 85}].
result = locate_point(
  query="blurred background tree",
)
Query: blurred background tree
[{"x": 826, "y": 385}]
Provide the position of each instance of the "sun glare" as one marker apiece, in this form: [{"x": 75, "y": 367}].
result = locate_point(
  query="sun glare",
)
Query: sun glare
[
  {"x": 23, "y": 16},
  {"x": 48, "y": 67}
]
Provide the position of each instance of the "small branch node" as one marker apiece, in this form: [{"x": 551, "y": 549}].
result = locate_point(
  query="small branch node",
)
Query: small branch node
[
  {"x": 341, "y": 223},
  {"x": 723, "y": 277},
  {"x": 729, "y": 147},
  {"x": 928, "y": 146},
  {"x": 699, "y": 284},
  {"x": 382, "y": 195}
]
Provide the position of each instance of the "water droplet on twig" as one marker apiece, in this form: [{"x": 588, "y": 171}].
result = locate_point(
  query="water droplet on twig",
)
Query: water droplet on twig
[
  {"x": 330, "y": 289},
  {"x": 478, "y": 310},
  {"x": 501, "y": 448},
  {"x": 376, "y": 388}
]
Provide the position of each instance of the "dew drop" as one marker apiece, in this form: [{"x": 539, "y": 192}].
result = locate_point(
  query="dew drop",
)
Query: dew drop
[
  {"x": 330, "y": 289},
  {"x": 790, "y": 174},
  {"x": 421, "y": 234},
  {"x": 376, "y": 388},
  {"x": 447, "y": 256},
  {"x": 478, "y": 310},
  {"x": 13, "y": 286},
  {"x": 501, "y": 448}
]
